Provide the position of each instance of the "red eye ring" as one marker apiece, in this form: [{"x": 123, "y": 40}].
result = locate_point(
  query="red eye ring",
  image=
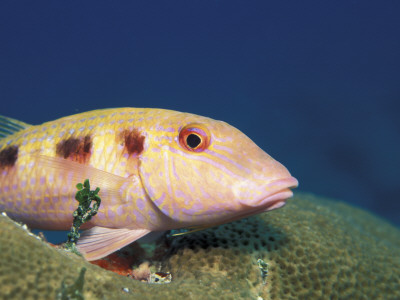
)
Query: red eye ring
[{"x": 194, "y": 137}]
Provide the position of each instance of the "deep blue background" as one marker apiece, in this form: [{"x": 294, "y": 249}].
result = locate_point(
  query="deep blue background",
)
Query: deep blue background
[{"x": 314, "y": 83}]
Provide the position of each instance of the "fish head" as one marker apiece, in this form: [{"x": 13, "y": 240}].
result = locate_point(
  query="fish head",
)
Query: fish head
[{"x": 199, "y": 171}]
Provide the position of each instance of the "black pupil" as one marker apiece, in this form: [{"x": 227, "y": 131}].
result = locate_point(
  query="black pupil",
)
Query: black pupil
[{"x": 193, "y": 140}]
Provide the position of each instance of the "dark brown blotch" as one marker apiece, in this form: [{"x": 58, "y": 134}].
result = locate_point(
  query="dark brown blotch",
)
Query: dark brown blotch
[
  {"x": 77, "y": 149},
  {"x": 8, "y": 156},
  {"x": 133, "y": 141}
]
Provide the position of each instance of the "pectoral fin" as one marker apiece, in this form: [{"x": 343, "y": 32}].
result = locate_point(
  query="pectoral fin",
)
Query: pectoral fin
[
  {"x": 98, "y": 242},
  {"x": 110, "y": 184}
]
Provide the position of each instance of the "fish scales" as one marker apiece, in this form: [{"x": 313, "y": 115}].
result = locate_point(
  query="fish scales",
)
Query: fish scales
[
  {"x": 49, "y": 196},
  {"x": 157, "y": 170}
]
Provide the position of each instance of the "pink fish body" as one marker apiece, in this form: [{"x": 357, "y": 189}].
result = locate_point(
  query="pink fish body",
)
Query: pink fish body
[{"x": 157, "y": 170}]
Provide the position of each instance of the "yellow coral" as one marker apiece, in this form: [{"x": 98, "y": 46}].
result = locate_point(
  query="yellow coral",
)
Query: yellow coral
[{"x": 314, "y": 248}]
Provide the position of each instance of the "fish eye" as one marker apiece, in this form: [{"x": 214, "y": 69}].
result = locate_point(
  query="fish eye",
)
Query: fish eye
[
  {"x": 193, "y": 140},
  {"x": 194, "y": 137}
]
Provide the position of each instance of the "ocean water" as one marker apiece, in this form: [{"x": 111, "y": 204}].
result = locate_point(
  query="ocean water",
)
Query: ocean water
[{"x": 315, "y": 84}]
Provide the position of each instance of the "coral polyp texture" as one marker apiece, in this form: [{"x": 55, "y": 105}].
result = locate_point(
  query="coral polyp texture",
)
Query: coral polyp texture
[{"x": 313, "y": 248}]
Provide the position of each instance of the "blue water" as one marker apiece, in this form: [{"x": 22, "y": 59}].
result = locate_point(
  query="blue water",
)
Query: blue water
[{"x": 314, "y": 83}]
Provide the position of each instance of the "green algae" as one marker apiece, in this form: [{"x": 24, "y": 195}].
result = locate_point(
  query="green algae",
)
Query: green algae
[
  {"x": 263, "y": 269},
  {"x": 315, "y": 249},
  {"x": 85, "y": 211}
]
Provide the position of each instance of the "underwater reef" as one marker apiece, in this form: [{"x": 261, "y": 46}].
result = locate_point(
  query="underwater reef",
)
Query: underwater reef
[{"x": 313, "y": 248}]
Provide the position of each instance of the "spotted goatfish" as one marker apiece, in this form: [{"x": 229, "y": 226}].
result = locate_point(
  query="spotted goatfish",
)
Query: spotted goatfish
[{"x": 157, "y": 170}]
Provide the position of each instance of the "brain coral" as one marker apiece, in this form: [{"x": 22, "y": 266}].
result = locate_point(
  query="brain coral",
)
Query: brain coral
[{"x": 314, "y": 248}]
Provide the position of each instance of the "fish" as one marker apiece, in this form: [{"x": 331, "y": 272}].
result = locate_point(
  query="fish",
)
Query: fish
[{"x": 157, "y": 170}]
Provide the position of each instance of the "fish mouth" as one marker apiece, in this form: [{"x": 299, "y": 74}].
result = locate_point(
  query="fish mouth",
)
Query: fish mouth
[{"x": 278, "y": 191}]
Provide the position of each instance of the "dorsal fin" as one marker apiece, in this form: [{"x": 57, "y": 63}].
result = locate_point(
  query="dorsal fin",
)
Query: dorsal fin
[{"x": 9, "y": 126}]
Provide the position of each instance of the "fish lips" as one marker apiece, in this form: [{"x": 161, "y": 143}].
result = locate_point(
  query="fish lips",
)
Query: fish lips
[{"x": 278, "y": 191}]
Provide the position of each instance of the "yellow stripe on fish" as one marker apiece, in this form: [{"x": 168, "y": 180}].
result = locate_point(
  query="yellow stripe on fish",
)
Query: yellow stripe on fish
[{"x": 157, "y": 170}]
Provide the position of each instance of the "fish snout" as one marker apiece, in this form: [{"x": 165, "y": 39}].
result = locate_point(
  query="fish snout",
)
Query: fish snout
[{"x": 272, "y": 194}]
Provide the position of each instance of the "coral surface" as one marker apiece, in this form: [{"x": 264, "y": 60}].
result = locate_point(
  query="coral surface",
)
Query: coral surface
[{"x": 312, "y": 248}]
